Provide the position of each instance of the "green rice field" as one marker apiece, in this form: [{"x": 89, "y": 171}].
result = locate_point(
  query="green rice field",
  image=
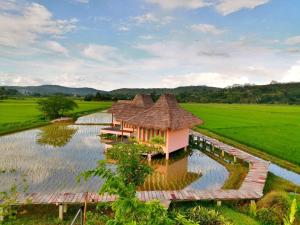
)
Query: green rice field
[
  {"x": 18, "y": 114},
  {"x": 274, "y": 129}
]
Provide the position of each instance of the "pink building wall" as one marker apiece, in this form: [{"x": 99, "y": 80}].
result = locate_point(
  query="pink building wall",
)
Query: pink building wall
[{"x": 177, "y": 139}]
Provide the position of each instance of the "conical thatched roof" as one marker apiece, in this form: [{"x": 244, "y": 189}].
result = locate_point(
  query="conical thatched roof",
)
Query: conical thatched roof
[
  {"x": 125, "y": 109},
  {"x": 142, "y": 100},
  {"x": 165, "y": 114}
]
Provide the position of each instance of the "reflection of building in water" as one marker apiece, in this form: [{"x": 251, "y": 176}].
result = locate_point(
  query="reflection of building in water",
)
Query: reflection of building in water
[
  {"x": 170, "y": 175},
  {"x": 56, "y": 135}
]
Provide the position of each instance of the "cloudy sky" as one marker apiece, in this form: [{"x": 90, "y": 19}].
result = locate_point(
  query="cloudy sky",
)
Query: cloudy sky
[{"x": 109, "y": 44}]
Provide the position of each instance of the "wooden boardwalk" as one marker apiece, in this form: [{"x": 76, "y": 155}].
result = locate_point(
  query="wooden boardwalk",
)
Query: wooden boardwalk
[{"x": 251, "y": 188}]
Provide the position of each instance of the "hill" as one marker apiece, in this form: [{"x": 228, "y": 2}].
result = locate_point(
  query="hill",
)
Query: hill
[
  {"x": 53, "y": 89},
  {"x": 278, "y": 93}
]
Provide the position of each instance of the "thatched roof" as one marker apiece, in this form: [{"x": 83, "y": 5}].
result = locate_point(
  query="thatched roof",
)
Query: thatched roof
[
  {"x": 165, "y": 114},
  {"x": 143, "y": 100},
  {"x": 125, "y": 109}
]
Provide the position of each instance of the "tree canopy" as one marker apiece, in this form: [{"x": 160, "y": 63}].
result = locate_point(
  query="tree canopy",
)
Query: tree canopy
[{"x": 56, "y": 106}]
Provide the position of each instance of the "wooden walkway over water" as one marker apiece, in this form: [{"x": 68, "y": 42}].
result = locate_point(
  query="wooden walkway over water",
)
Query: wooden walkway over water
[{"x": 251, "y": 188}]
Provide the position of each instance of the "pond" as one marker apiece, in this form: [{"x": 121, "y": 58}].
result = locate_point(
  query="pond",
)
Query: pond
[{"x": 51, "y": 158}]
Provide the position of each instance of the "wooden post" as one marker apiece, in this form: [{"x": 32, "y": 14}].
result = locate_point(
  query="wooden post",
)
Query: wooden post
[
  {"x": 138, "y": 134},
  {"x": 185, "y": 148},
  {"x": 85, "y": 207},
  {"x": 122, "y": 130},
  {"x": 167, "y": 156},
  {"x": 234, "y": 159},
  {"x": 165, "y": 203},
  {"x": 112, "y": 120},
  {"x": 219, "y": 203},
  {"x": 149, "y": 157},
  {"x": 223, "y": 153},
  {"x": 61, "y": 212}
]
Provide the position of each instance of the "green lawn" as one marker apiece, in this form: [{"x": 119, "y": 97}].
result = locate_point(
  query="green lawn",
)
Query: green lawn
[
  {"x": 23, "y": 113},
  {"x": 236, "y": 217},
  {"x": 274, "y": 129}
]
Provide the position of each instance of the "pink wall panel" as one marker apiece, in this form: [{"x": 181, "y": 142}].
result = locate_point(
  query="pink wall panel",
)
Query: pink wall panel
[{"x": 177, "y": 139}]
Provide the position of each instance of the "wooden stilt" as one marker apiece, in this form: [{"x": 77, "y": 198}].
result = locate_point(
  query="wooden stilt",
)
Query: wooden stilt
[
  {"x": 185, "y": 148},
  {"x": 167, "y": 156},
  {"x": 61, "y": 212},
  {"x": 223, "y": 153},
  {"x": 165, "y": 203},
  {"x": 234, "y": 159},
  {"x": 85, "y": 207},
  {"x": 219, "y": 203},
  {"x": 122, "y": 127},
  {"x": 149, "y": 157}
]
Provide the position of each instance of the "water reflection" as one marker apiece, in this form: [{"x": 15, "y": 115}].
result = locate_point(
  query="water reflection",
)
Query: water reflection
[
  {"x": 186, "y": 171},
  {"x": 95, "y": 118},
  {"x": 170, "y": 175},
  {"x": 52, "y": 169},
  {"x": 56, "y": 135},
  {"x": 53, "y": 156}
]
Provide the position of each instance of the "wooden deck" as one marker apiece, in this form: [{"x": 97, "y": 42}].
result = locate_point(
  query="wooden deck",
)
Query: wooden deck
[
  {"x": 251, "y": 188},
  {"x": 116, "y": 131}
]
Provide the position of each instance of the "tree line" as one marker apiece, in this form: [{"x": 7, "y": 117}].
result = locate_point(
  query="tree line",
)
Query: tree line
[
  {"x": 256, "y": 94},
  {"x": 275, "y": 93}
]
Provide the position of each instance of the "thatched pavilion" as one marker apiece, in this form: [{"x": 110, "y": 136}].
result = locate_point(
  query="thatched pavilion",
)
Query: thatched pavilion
[
  {"x": 166, "y": 119},
  {"x": 125, "y": 109}
]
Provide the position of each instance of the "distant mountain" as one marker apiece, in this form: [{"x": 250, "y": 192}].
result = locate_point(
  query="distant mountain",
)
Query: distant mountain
[
  {"x": 53, "y": 89},
  {"x": 275, "y": 93}
]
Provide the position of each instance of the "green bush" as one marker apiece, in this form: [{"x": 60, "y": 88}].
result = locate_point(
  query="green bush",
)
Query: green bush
[
  {"x": 131, "y": 171},
  {"x": 278, "y": 202},
  {"x": 157, "y": 140},
  {"x": 95, "y": 218},
  {"x": 206, "y": 216},
  {"x": 268, "y": 217},
  {"x": 291, "y": 217}
]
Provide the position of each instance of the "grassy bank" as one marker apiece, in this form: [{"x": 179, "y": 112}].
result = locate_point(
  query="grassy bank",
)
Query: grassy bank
[
  {"x": 20, "y": 114},
  {"x": 270, "y": 132}
]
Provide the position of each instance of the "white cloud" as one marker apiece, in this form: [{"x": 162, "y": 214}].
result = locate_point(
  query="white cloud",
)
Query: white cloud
[
  {"x": 172, "y": 4},
  {"x": 202, "y": 78},
  {"x": 152, "y": 18},
  {"x": 8, "y": 5},
  {"x": 19, "y": 80},
  {"x": 123, "y": 28},
  {"x": 293, "y": 74},
  {"x": 23, "y": 25},
  {"x": 56, "y": 47},
  {"x": 227, "y": 7},
  {"x": 207, "y": 29},
  {"x": 82, "y": 1},
  {"x": 293, "y": 40},
  {"x": 146, "y": 37},
  {"x": 103, "y": 53}
]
